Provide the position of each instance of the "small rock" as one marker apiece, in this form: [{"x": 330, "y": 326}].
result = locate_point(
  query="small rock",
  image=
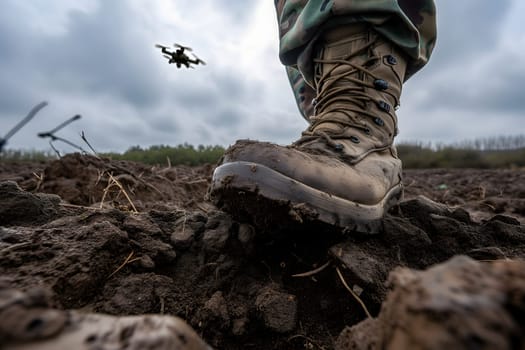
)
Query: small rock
[
  {"x": 278, "y": 310},
  {"x": 140, "y": 223},
  {"x": 217, "y": 307},
  {"x": 239, "y": 326},
  {"x": 424, "y": 205},
  {"x": 487, "y": 253},
  {"x": 145, "y": 262},
  {"x": 363, "y": 266},
  {"x": 215, "y": 240},
  {"x": 182, "y": 237},
  {"x": 462, "y": 215},
  {"x": 506, "y": 219},
  {"x": 246, "y": 236},
  {"x": 164, "y": 253},
  {"x": 218, "y": 218},
  {"x": 217, "y": 231}
]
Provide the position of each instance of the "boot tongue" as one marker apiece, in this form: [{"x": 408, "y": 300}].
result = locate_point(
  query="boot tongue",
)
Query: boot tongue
[{"x": 341, "y": 42}]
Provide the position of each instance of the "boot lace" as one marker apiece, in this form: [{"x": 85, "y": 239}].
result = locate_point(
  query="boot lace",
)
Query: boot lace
[{"x": 349, "y": 99}]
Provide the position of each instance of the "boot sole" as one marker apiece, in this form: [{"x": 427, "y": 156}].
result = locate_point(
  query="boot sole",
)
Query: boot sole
[{"x": 234, "y": 182}]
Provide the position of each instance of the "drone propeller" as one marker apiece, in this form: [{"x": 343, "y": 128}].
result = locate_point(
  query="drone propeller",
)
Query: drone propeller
[
  {"x": 168, "y": 57},
  {"x": 160, "y": 46},
  {"x": 183, "y": 47},
  {"x": 199, "y": 60}
]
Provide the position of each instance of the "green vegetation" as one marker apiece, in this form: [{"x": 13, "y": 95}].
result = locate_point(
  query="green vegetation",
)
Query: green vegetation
[
  {"x": 497, "y": 152},
  {"x": 492, "y": 152},
  {"x": 24, "y": 155},
  {"x": 182, "y": 154},
  {"x": 416, "y": 156}
]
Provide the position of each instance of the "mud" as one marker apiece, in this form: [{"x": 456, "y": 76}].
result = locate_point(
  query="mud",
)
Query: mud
[{"x": 123, "y": 238}]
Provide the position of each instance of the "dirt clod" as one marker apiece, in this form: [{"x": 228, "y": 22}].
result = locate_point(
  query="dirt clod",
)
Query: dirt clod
[
  {"x": 237, "y": 286},
  {"x": 460, "y": 304},
  {"x": 17, "y": 205},
  {"x": 278, "y": 310}
]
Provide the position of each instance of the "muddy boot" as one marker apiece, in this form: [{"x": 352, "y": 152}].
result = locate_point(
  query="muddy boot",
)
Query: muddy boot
[{"x": 344, "y": 170}]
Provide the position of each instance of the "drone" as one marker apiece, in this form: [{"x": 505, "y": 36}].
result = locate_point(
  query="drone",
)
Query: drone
[{"x": 179, "y": 57}]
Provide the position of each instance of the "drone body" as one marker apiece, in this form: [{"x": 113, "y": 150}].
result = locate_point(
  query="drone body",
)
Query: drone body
[{"x": 178, "y": 57}]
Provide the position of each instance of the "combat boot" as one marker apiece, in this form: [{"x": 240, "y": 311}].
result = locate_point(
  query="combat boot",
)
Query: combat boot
[{"x": 344, "y": 170}]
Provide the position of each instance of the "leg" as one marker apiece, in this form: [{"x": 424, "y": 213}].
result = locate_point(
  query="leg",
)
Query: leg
[
  {"x": 410, "y": 23},
  {"x": 344, "y": 171}
]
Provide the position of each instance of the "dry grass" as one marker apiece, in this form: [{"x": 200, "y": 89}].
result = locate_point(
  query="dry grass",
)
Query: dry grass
[
  {"x": 356, "y": 297},
  {"x": 112, "y": 184},
  {"x": 128, "y": 260}
]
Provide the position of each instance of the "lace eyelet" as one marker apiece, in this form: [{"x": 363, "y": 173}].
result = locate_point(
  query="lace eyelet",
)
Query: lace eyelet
[
  {"x": 384, "y": 106},
  {"x": 379, "y": 121},
  {"x": 339, "y": 147},
  {"x": 367, "y": 131},
  {"x": 380, "y": 84},
  {"x": 354, "y": 139},
  {"x": 391, "y": 60}
]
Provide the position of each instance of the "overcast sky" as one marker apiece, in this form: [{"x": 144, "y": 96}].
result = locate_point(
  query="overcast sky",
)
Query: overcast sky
[{"x": 97, "y": 59}]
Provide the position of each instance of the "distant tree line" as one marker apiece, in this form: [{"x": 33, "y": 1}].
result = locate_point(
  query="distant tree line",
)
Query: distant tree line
[
  {"x": 496, "y": 143},
  {"x": 493, "y": 152},
  {"x": 483, "y": 154}
]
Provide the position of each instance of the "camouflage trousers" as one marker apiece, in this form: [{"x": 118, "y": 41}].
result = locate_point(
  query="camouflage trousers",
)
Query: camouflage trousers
[{"x": 410, "y": 24}]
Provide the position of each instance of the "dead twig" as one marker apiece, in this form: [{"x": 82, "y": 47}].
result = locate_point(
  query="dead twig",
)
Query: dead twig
[
  {"x": 356, "y": 297},
  {"x": 493, "y": 208},
  {"x": 138, "y": 178},
  {"x": 313, "y": 272},
  {"x": 411, "y": 183},
  {"x": 54, "y": 149},
  {"x": 308, "y": 339},
  {"x": 195, "y": 182},
  {"x": 14, "y": 247},
  {"x": 127, "y": 261},
  {"x": 497, "y": 260},
  {"x": 69, "y": 205},
  {"x": 51, "y": 135},
  {"x": 161, "y": 305},
  {"x": 482, "y": 192},
  {"x": 40, "y": 179},
  {"x": 83, "y": 136},
  {"x": 124, "y": 192}
]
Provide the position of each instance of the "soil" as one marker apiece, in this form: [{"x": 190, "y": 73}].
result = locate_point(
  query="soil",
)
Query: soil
[{"x": 124, "y": 238}]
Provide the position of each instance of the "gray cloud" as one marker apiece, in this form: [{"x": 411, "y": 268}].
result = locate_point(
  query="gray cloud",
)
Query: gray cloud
[
  {"x": 471, "y": 87},
  {"x": 98, "y": 59},
  {"x": 499, "y": 92},
  {"x": 102, "y": 53},
  {"x": 468, "y": 29}
]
